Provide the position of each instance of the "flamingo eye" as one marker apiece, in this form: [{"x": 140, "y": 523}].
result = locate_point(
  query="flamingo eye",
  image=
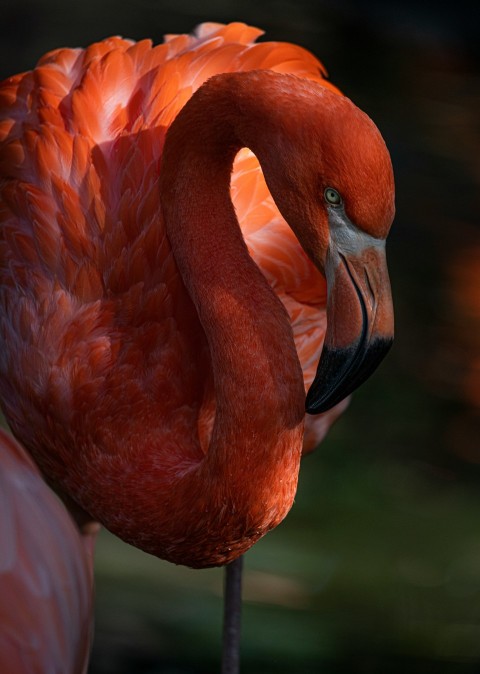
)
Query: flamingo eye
[{"x": 332, "y": 196}]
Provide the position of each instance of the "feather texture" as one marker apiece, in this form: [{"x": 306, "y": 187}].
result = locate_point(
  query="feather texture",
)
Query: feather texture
[{"x": 45, "y": 574}]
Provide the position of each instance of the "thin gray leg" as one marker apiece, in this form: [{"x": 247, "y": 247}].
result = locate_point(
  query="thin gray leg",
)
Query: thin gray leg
[{"x": 232, "y": 617}]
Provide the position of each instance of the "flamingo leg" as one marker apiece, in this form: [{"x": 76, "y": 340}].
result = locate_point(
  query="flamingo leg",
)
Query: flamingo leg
[{"x": 232, "y": 617}]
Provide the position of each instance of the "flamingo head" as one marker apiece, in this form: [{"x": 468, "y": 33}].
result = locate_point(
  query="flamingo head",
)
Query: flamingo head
[{"x": 333, "y": 182}]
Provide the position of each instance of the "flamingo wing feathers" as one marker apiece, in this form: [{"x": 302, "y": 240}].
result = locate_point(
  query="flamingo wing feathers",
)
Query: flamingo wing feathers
[{"x": 104, "y": 330}]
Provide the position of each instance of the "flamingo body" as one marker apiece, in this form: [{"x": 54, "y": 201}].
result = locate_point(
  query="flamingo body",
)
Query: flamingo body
[
  {"x": 45, "y": 574},
  {"x": 110, "y": 373}
]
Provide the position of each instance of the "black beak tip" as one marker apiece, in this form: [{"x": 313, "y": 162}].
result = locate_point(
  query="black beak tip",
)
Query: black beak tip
[{"x": 341, "y": 371}]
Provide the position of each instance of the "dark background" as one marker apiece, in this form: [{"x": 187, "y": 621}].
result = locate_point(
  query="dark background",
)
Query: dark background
[{"x": 377, "y": 567}]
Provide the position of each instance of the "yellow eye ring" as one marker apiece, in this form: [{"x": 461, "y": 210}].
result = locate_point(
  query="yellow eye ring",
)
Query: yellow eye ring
[{"x": 332, "y": 197}]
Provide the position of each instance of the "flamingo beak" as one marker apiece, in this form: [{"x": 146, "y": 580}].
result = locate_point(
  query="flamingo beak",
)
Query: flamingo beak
[{"x": 359, "y": 314}]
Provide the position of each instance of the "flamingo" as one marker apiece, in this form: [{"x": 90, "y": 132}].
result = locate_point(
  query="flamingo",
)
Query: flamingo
[
  {"x": 45, "y": 574},
  {"x": 187, "y": 230}
]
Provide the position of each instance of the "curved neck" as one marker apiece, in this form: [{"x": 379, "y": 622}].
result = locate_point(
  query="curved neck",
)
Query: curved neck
[
  {"x": 256, "y": 368},
  {"x": 259, "y": 389}
]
